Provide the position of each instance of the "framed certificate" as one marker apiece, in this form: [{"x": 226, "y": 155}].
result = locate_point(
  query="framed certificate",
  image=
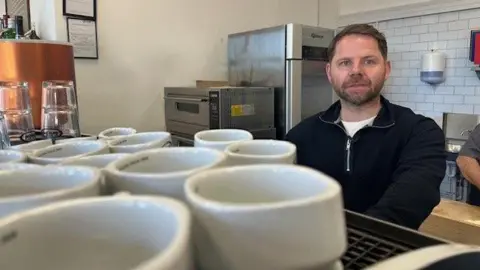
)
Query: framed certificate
[
  {"x": 80, "y": 8},
  {"x": 82, "y": 33}
]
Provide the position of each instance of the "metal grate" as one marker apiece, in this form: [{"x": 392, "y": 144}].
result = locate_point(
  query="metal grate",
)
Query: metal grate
[
  {"x": 371, "y": 240},
  {"x": 365, "y": 250}
]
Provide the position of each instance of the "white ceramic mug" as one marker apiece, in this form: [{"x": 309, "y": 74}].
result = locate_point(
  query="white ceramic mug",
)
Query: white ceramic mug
[
  {"x": 140, "y": 141},
  {"x": 36, "y": 145},
  {"x": 116, "y": 133},
  {"x": 32, "y": 187},
  {"x": 260, "y": 152},
  {"x": 161, "y": 171},
  {"x": 104, "y": 233},
  {"x": 60, "y": 152},
  {"x": 219, "y": 139},
  {"x": 18, "y": 166},
  {"x": 12, "y": 156},
  {"x": 97, "y": 161},
  {"x": 267, "y": 217},
  {"x": 32, "y": 146}
]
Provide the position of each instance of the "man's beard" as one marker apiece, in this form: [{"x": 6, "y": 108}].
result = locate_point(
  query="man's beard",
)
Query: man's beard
[{"x": 358, "y": 99}]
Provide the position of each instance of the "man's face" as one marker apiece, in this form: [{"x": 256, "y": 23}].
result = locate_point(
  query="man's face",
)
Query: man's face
[{"x": 358, "y": 70}]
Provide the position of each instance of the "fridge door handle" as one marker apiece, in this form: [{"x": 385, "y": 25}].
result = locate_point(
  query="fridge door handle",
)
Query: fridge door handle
[{"x": 293, "y": 95}]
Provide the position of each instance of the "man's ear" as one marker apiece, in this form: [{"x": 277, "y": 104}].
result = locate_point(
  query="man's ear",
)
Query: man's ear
[
  {"x": 328, "y": 69},
  {"x": 388, "y": 69}
]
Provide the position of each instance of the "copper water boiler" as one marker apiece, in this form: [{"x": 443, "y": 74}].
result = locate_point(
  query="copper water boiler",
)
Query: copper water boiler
[{"x": 35, "y": 61}]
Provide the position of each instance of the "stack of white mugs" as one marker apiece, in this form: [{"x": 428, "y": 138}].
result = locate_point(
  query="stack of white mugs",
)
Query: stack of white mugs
[{"x": 127, "y": 200}]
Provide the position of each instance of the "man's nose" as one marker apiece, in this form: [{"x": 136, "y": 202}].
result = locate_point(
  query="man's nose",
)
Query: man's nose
[{"x": 357, "y": 68}]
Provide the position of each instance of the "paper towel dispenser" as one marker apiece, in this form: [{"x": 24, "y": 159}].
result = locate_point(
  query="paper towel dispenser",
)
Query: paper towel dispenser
[{"x": 433, "y": 67}]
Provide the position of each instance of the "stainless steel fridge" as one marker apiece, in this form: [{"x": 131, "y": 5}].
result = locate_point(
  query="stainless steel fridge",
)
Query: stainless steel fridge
[{"x": 292, "y": 59}]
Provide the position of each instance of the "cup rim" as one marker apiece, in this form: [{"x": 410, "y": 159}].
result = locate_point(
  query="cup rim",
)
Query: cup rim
[
  {"x": 9, "y": 166},
  {"x": 34, "y": 155},
  {"x": 25, "y": 146},
  {"x": 333, "y": 190},
  {"x": 112, "y": 143},
  {"x": 103, "y": 136},
  {"x": 112, "y": 168},
  {"x": 95, "y": 180},
  {"x": 19, "y": 156},
  {"x": 292, "y": 149},
  {"x": 198, "y": 135},
  {"x": 179, "y": 210},
  {"x": 74, "y": 139},
  {"x": 69, "y": 161}
]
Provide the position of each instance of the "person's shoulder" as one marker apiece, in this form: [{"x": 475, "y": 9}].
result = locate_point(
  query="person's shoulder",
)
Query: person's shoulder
[
  {"x": 306, "y": 126},
  {"x": 408, "y": 116},
  {"x": 407, "y": 119}
]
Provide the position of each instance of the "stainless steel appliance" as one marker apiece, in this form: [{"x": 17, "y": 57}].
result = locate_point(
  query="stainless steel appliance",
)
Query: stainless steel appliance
[
  {"x": 35, "y": 61},
  {"x": 292, "y": 59},
  {"x": 189, "y": 110},
  {"x": 457, "y": 128}
]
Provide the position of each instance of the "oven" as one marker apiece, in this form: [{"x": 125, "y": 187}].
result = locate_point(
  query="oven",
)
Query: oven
[{"x": 189, "y": 110}]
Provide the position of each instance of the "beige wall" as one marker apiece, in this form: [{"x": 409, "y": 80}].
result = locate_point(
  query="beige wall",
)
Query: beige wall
[
  {"x": 148, "y": 44},
  {"x": 356, "y": 6},
  {"x": 2, "y": 8}
]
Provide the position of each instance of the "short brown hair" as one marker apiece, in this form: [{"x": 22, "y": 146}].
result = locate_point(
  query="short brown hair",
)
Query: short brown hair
[{"x": 359, "y": 29}]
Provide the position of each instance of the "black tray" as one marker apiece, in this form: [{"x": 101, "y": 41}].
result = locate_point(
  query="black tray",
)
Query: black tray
[
  {"x": 39, "y": 137},
  {"x": 371, "y": 241}
]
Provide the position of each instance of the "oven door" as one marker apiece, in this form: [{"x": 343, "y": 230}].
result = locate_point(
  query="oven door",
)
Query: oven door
[
  {"x": 186, "y": 109},
  {"x": 181, "y": 141}
]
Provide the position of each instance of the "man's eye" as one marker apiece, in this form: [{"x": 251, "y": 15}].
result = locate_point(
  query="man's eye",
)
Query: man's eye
[
  {"x": 344, "y": 63},
  {"x": 369, "y": 62}
]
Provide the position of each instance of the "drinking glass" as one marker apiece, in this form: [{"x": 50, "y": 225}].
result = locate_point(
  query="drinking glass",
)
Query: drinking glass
[{"x": 60, "y": 111}]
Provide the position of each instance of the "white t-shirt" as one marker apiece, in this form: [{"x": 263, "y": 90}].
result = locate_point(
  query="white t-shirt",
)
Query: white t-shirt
[{"x": 353, "y": 127}]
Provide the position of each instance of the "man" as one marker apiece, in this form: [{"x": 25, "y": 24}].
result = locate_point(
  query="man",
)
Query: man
[
  {"x": 467, "y": 162},
  {"x": 389, "y": 161}
]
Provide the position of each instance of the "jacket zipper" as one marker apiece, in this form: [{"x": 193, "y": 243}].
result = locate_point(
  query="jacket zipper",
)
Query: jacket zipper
[
  {"x": 348, "y": 146},
  {"x": 347, "y": 149}
]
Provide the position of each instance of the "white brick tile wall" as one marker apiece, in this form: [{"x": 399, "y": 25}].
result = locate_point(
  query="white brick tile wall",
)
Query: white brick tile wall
[
  {"x": 458, "y": 25},
  {"x": 429, "y": 37},
  {"x": 468, "y": 14},
  {"x": 412, "y": 21},
  {"x": 464, "y": 90},
  {"x": 453, "y": 99},
  {"x": 429, "y": 19},
  {"x": 408, "y": 39},
  {"x": 439, "y": 27},
  {"x": 448, "y": 17},
  {"x": 421, "y": 29},
  {"x": 468, "y": 109},
  {"x": 439, "y": 107}
]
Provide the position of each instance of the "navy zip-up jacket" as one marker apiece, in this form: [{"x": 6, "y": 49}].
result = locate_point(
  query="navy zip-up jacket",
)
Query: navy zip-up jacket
[{"x": 390, "y": 170}]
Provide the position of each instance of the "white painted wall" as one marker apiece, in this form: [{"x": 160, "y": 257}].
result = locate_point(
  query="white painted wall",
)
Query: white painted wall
[
  {"x": 356, "y": 6},
  {"x": 149, "y": 44},
  {"x": 2, "y": 7},
  {"x": 42, "y": 14}
]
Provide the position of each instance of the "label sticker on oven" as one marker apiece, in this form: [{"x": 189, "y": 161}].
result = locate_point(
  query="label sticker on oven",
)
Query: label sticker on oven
[{"x": 242, "y": 110}]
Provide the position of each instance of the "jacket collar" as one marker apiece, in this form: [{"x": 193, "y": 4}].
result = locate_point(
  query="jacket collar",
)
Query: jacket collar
[{"x": 385, "y": 117}]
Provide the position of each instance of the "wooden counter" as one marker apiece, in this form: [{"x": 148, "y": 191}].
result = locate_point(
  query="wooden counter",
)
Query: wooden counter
[{"x": 454, "y": 221}]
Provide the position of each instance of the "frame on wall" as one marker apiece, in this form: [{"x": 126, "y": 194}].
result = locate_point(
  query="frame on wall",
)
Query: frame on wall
[
  {"x": 22, "y": 8},
  {"x": 86, "y": 9},
  {"x": 82, "y": 34}
]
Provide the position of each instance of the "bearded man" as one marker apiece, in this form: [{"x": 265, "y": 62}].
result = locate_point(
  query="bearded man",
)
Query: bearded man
[{"x": 389, "y": 161}]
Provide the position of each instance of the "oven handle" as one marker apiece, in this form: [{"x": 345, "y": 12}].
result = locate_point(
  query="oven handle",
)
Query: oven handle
[{"x": 186, "y": 99}]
